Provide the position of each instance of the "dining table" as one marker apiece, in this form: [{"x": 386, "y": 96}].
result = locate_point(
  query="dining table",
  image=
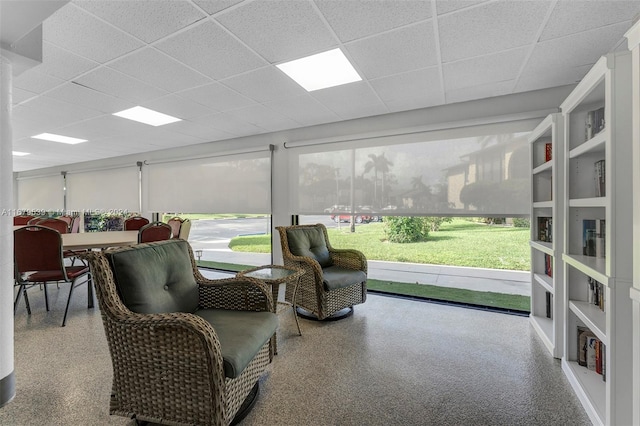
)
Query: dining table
[{"x": 98, "y": 240}]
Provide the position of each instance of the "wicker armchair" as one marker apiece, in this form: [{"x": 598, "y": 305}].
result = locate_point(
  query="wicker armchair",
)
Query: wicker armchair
[
  {"x": 333, "y": 279},
  {"x": 171, "y": 365}
]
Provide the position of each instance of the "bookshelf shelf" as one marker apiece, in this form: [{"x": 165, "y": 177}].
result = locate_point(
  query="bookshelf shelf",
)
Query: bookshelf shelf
[
  {"x": 547, "y": 307},
  {"x": 596, "y": 254}
]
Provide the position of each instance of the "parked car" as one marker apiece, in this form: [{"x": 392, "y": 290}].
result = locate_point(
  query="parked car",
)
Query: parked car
[{"x": 345, "y": 217}]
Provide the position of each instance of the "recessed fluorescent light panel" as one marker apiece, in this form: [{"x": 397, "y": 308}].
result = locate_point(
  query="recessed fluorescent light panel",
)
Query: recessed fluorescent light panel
[
  {"x": 147, "y": 116},
  {"x": 58, "y": 138},
  {"x": 19, "y": 154},
  {"x": 322, "y": 70}
]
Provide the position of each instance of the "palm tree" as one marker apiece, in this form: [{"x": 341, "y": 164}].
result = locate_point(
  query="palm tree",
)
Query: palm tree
[{"x": 378, "y": 163}]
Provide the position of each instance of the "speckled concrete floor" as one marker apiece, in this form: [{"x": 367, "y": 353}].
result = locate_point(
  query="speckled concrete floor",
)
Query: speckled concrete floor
[{"x": 394, "y": 362}]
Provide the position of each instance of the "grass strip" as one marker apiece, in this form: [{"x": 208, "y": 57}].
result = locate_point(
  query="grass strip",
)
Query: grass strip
[{"x": 481, "y": 298}]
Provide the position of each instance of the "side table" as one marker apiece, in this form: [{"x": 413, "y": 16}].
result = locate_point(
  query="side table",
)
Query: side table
[{"x": 274, "y": 275}]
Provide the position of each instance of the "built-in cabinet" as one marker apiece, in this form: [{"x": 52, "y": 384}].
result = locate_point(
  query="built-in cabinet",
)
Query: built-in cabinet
[
  {"x": 547, "y": 189},
  {"x": 597, "y": 248},
  {"x": 633, "y": 37}
]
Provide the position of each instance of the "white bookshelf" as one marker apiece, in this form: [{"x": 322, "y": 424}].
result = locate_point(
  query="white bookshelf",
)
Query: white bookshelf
[
  {"x": 633, "y": 37},
  {"x": 589, "y": 254},
  {"x": 547, "y": 307}
]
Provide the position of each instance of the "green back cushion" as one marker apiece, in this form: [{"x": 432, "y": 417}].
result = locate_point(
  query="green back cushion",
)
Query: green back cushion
[
  {"x": 156, "y": 279},
  {"x": 309, "y": 242}
]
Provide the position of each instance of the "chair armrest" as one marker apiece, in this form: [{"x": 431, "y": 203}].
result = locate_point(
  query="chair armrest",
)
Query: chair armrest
[
  {"x": 349, "y": 258},
  {"x": 236, "y": 293}
]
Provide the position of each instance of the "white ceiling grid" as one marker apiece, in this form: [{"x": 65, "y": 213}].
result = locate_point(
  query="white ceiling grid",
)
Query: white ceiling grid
[{"x": 213, "y": 63}]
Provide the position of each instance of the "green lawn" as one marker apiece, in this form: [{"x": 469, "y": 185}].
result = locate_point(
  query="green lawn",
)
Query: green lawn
[
  {"x": 462, "y": 242},
  {"x": 459, "y": 243}
]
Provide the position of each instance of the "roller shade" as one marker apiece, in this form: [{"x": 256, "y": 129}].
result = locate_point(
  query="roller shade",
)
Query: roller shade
[
  {"x": 103, "y": 191},
  {"x": 43, "y": 193},
  {"x": 227, "y": 183},
  {"x": 475, "y": 170}
]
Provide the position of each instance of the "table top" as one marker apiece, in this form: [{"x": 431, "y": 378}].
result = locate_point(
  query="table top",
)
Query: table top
[
  {"x": 91, "y": 240},
  {"x": 272, "y": 274}
]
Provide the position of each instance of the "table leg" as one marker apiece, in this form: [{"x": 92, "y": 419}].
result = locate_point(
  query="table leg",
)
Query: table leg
[{"x": 293, "y": 305}]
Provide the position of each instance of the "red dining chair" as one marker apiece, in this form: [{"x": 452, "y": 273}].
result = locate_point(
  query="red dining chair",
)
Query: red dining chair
[
  {"x": 180, "y": 227},
  {"x": 75, "y": 225},
  {"x": 38, "y": 260},
  {"x": 68, "y": 219},
  {"x": 154, "y": 231},
  {"x": 58, "y": 224},
  {"x": 22, "y": 219},
  {"x": 134, "y": 223}
]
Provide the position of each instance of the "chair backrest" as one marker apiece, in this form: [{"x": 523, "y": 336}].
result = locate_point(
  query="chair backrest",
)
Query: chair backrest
[
  {"x": 154, "y": 231},
  {"x": 68, "y": 219},
  {"x": 134, "y": 223},
  {"x": 306, "y": 241},
  {"x": 59, "y": 225},
  {"x": 175, "y": 223},
  {"x": 148, "y": 283},
  {"x": 37, "y": 248},
  {"x": 22, "y": 219},
  {"x": 75, "y": 225}
]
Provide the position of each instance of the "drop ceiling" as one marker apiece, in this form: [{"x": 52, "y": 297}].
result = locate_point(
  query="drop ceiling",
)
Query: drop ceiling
[{"x": 213, "y": 64}]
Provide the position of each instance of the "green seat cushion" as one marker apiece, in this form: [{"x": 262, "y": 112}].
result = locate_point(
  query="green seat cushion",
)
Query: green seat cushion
[
  {"x": 241, "y": 335},
  {"x": 309, "y": 242},
  {"x": 156, "y": 279},
  {"x": 335, "y": 277}
]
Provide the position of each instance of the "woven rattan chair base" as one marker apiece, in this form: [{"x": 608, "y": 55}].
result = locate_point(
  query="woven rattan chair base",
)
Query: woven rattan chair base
[
  {"x": 341, "y": 314},
  {"x": 247, "y": 405}
]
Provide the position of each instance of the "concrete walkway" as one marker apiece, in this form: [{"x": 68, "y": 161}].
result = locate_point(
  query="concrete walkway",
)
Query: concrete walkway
[{"x": 479, "y": 279}]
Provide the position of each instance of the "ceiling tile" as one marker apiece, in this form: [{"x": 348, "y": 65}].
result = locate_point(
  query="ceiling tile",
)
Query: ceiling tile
[
  {"x": 490, "y": 28},
  {"x": 414, "y": 89},
  {"x": 553, "y": 77},
  {"x": 75, "y": 30},
  {"x": 353, "y": 100},
  {"x": 484, "y": 69},
  {"x": 359, "y": 18},
  {"x": 36, "y": 82},
  {"x": 381, "y": 55},
  {"x": 114, "y": 83},
  {"x": 80, "y": 95},
  {"x": 199, "y": 130},
  {"x": 211, "y": 50},
  {"x": 573, "y": 51},
  {"x": 158, "y": 69},
  {"x": 304, "y": 109},
  {"x": 264, "y": 118},
  {"x": 215, "y": 6},
  {"x": 480, "y": 91},
  {"x": 18, "y": 95},
  {"x": 279, "y": 30},
  {"x": 62, "y": 64},
  {"x": 102, "y": 127},
  {"x": 217, "y": 96},
  {"x": 570, "y": 17},
  {"x": 178, "y": 106},
  {"x": 446, "y": 6},
  {"x": 225, "y": 122},
  {"x": 148, "y": 20},
  {"x": 53, "y": 112},
  {"x": 265, "y": 84}
]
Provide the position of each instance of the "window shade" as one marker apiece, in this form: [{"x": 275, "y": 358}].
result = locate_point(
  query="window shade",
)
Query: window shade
[
  {"x": 238, "y": 183},
  {"x": 107, "y": 190},
  {"x": 477, "y": 170},
  {"x": 44, "y": 193}
]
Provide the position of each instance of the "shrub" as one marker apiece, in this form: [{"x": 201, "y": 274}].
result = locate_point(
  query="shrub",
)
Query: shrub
[
  {"x": 434, "y": 222},
  {"x": 521, "y": 222},
  {"x": 406, "y": 229}
]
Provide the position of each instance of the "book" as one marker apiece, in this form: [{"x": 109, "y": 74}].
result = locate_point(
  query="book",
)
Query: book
[
  {"x": 544, "y": 229},
  {"x": 600, "y": 237},
  {"x": 583, "y": 334},
  {"x": 549, "y": 302},
  {"x": 599, "y": 178},
  {"x": 589, "y": 237},
  {"x": 548, "y": 265},
  {"x": 590, "y": 355},
  {"x": 594, "y": 123},
  {"x": 548, "y": 151}
]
